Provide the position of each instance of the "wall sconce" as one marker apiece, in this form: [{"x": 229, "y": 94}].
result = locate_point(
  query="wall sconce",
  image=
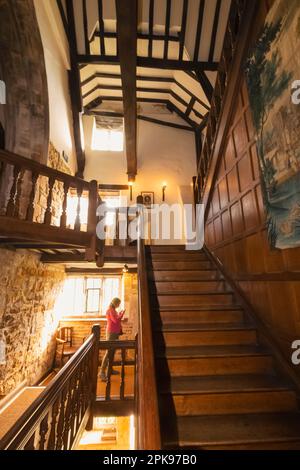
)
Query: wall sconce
[
  {"x": 130, "y": 188},
  {"x": 125, "y": 269},
  {"x": 164, "y": 187}
]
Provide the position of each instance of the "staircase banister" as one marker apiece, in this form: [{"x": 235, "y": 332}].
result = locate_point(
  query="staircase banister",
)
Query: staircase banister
[
  {"x": 43, "y": 170},
  {"x": 26, "y": 424},
  {"x": 149, "y": 436}
]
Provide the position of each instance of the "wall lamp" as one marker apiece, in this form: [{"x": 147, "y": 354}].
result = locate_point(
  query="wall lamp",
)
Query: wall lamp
[{"x": 164, "y": 187}]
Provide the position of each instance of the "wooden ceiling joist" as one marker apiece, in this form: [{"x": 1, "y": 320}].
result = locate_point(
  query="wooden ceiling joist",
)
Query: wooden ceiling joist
[{"x": 127, "y": 49}]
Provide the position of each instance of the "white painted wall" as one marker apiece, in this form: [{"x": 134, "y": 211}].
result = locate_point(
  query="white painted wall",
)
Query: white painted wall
[
  {"x": 164, "y": 155},
  {"x": 57, "y": 64}
]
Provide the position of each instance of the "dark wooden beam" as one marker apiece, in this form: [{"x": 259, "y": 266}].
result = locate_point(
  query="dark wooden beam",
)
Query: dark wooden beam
[
  {"x": 184, "y": 103},
  {"x": 151, "y": 16},
  {"x": 140, "y": 35},
  {"x": 190, "y": 106},
  {"x": 141, "y": 118},
  {"x": 114, "y": 187},
  {"x": 116, "y": 76},
  {"x": 127, "y": 47},
  {"x": 186, "y": 90},
  {"x": 183, "y": 28},
  {"x": 151, "y": 62},
  {"x": 101, "y": 27},
  {"x": 75, "y": 91},
  {"x": 215, "y": 30},
  {"x": 205, "y": 83},
  {"x": 171, "y": 107},
  {"x": 199, "y": 30},
  {"x": 63, "y": 16},
  {"x": 139, "y": 100},
  {"x": 167, "y": 29},
  {"x": 119, "y": 87},
  {"x": 165, "y": 123},
  {"x": 85, "y": 28}
]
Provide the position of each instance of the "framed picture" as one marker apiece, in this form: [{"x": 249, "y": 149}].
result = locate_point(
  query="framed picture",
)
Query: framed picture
[{"x": 148, "y": 198}]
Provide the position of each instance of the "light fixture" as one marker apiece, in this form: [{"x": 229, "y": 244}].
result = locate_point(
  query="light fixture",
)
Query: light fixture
[
  {"x": 164, "y": 187},
  {"x": 125, "y": 269}
]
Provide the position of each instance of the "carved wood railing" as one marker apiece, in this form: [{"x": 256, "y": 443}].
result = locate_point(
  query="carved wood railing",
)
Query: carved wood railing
[
  {"x": 21, "y": 181},
  {"x": 120, "y": 354},
  {"x": 148, "y": 424},
  {"x": 56, "y": 418},
  {"x": 235, "y": 47}
]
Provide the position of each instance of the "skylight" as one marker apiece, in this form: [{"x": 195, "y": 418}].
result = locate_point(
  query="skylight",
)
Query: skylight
[{"x": 105, "y": 139}]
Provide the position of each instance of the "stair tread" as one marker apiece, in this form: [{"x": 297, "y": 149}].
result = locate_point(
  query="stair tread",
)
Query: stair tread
[
  {"x": 234, "y": 429},
  {"x": 174, "y": 308},
  {"x": 180, "y": 327},
  {"x": 190, "y": 292},
  {"x": 177, "y": 352},
  {"x": 224, "y": 383}
]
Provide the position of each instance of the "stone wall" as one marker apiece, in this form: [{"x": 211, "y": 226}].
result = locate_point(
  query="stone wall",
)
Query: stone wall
[{"x": 28, "y": 321}]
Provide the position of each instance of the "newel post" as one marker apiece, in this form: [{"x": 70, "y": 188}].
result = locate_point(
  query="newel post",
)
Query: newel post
[{"x": 94, "y": 367}]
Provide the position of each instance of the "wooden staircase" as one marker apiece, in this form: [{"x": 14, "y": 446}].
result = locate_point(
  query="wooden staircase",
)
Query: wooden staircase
[{"x": 217, "y": 385}]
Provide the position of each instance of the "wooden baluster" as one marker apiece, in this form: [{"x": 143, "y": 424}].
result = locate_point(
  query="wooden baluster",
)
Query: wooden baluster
[
  {"x": 63, "y": 219},
  {"x": 60, "y": 425},
  {"x": 52, "y": 436},
  {"x": 109, "y": 371},
  {"x": 77, "y": 225},
  {"x": 30, "y": 209},
  {"x": 68, "y": 416},
  {"x": 43, "y": 432},
  {"x": 48, "y": 213},
  {"x": 122, "y": 387},
  {"x": 10, "y": 210}
]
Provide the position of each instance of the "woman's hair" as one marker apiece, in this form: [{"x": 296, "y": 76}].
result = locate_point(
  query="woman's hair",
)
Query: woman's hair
[{"x": 115, "y": 302}]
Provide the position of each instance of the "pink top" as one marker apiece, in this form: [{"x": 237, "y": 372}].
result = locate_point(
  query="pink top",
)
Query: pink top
[{"x": 113, "y": 320}]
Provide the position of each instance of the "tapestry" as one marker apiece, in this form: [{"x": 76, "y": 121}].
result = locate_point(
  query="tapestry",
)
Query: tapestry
[{"x": 273, "y": 80}]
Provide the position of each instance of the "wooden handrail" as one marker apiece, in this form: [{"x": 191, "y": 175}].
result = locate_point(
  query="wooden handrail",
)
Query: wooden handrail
[
  {"x": 149, "y": 436},
  {"x": 43, "y": 170},
  {"x": 22, "y": 218},
  {"x": 235, "y": 47},
  {"x": 54, "y": 419}
]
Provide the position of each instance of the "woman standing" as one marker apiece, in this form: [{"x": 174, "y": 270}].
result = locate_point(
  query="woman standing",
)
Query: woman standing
[{"x": 113, "y": 331}]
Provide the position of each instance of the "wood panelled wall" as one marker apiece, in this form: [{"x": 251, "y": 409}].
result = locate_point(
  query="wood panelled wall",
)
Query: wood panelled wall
[{"x": 236, "y": 233}]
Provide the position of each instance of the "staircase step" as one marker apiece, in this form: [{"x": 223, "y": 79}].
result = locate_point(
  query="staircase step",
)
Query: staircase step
[
  {"x": 182, "y": 299},
  {"x": 245, "y": 431},
  {"x": 181, "y": 265},
  {"x": 209, "y": 274},
  {"x": 167, "y": 248},
  {"x": 206, "y": 336},
  {"x": 179, "y": 256},
  {"x": 213, "y": 360},
  {"x": 227, "y": 395},
  {"x": 167, "y": 287}
]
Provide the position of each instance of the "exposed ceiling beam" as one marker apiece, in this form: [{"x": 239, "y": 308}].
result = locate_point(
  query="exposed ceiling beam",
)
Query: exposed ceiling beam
[
  {"x": 141, "y": 118},
  {"x": 183, "y": 28},
  {"x": 127, "y": 50},
  {"x": 215, "y": 30},
  {"x": 151, "y": 62},
  {"x": 205, "y": 83},
  {"x": 173, "y": 108},
  {"x": 75, "y": 93}
]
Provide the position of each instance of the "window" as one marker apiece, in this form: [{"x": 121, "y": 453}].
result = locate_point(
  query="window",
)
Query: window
[
  {"x": 89, "y": 296},
  {"x": 107, "y": 139}
]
